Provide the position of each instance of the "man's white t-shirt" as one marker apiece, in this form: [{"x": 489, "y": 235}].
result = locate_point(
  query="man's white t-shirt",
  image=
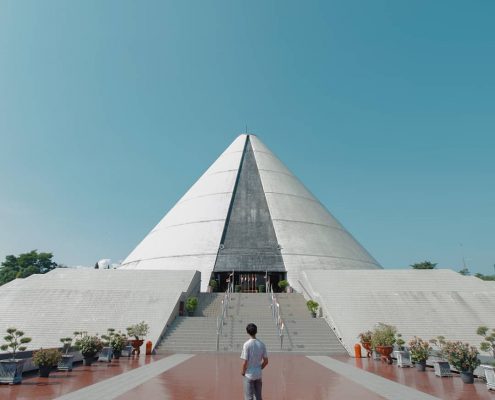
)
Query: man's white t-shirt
[{"x": 253, "y": 351}]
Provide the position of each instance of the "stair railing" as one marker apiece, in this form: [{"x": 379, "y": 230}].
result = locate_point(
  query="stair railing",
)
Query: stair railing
[
  {"x": 223, "y": 311},
  {"x": 275, "y": 306}
]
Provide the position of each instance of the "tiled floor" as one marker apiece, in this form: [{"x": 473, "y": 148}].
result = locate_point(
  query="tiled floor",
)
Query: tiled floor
[
  {"x": 217, "y": 376},
  {"x": 444, "y": 388}
]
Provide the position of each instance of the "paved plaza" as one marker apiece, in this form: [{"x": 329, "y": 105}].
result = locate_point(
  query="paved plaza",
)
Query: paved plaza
[{"x": 216, "y": 376}]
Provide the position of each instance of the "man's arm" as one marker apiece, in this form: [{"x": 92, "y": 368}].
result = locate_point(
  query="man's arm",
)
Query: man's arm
[
  {"x": 244, "y": 367},
  {"x": 264, "y": 363}
]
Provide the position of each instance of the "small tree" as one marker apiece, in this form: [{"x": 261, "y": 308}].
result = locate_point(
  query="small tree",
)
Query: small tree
[
  {"x": 399, "y": 341},
  {"x": 107, "y": 338},
  {"x": 15, "y": 341},
  {"x": 138, "y": 330},
  {"x": 424, "y": 265},
  {"x": 489, "y": 343},
  {"x": 439, "y": 345},
  {"x": 66, "y": 344}
]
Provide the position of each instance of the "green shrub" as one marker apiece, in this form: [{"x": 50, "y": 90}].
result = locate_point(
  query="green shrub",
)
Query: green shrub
[
  {"x": 191, "y": 304},
  {"x": 462, "y": 356},
  {"x": 312, "y": 306},
  {"x": 88, "y": 345},
  {"x": 420, "y": 350},
  {"x": 46, "y": 357},
  {"x": 118, "y": 341},
  {"x": 283, "y": 284},
  {"x": 383, "y": 335}
]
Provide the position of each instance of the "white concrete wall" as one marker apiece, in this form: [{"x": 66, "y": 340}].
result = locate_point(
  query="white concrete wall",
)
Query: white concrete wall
[
  {"x": 425, "y": 303},
  {"x": 54, "y": 305}
]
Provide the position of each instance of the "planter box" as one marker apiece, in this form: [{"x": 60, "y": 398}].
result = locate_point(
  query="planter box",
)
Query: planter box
[
  {"x": 11, "y": 371},
  {"x": 490, "y": 376},
  {"x": 403, "y": 358},
  {"x": 126, "y": 351},
  {"x": 106, "y": 354},
  {"x": 65, "y": 363},
  {"x": 442, "y": 368}
]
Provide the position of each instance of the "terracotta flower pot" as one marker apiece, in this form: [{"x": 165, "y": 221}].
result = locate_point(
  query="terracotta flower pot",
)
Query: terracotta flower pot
[
  {"x": 385, "y": 352},
  {"x": 367, "y": 347},
  {"x": 136, "y": 344}
]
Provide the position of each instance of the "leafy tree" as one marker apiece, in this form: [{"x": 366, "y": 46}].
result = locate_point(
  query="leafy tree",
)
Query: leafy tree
[
  {"x": 485, "y": 277},
  {"x": 424, "y": 265},
  {"x": 25, "y": 265},
  {"x": 464, "y": 272},
  {"x": 489, "y": 339}
]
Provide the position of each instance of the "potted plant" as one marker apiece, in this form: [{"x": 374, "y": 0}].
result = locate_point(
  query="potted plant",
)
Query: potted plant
[
  {"x": 420, "y": 351},
  {"x": 402, "y": 354},
  {"x": 312, "y": 307},
  {"x": 66, "y": 360},
  {"x": 383, "y": 339},
  {"x": 283, "y": 285},
  {"x": 365, "y": 339},
  {"x": 488, "y": 345},
  {"x": 11, "y": 369},
  {"x": 237, "y": 288},
  {"x": 191, "y": 304},
  {"x": 212, "y": 286},
  {"x": 138, "y": 331},
  {"x": 440, "y": 364},
  {"x": 117, "y": 343},
  {"x": 45, "y": 360},
  {"x": 88, "y": 346},
  {"x": 463, "y": 357},
  {"x": 106, "y": 353}
]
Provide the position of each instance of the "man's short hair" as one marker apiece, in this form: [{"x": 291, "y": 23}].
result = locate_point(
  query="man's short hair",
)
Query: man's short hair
[{"x": 251, "y": 329}]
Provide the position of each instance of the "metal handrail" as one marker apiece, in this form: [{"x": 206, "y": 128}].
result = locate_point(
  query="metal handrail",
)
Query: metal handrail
[
  {"x": 275, "y": 306},
  {"x": 224, "y": 311}
]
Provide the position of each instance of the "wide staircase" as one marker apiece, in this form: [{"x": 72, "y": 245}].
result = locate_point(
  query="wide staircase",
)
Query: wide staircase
[{"x": 302, "y": 333}]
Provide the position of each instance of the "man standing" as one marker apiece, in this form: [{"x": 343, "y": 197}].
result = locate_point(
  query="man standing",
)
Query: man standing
[{"x": 255, "y": 359}]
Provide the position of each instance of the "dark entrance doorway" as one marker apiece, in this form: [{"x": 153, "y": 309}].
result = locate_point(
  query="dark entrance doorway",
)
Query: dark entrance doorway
[{"x": 248, "y": 282}]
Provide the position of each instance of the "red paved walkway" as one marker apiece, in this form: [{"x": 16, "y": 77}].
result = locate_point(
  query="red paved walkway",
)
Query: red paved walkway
[
  {"x": 216, "y": 376},
  {"x": 59, "y": 383},
  {"x": 444, "y": 388}
]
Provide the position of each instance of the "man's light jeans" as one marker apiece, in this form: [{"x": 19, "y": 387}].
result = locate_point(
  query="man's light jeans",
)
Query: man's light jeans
[{"x": 252, "y": 388}]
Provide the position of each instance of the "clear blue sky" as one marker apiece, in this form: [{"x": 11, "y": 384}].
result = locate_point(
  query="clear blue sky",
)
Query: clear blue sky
[{"x": 110, "y": 110}]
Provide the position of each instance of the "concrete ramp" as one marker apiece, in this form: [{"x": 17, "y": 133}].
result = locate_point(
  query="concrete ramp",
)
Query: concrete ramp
[
  {"x": 54, "y": 305},
  {"x": 425, "y": 303}
]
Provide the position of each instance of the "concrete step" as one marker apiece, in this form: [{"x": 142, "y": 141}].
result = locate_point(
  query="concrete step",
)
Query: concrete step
[{"x": 302, "y": 335}]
